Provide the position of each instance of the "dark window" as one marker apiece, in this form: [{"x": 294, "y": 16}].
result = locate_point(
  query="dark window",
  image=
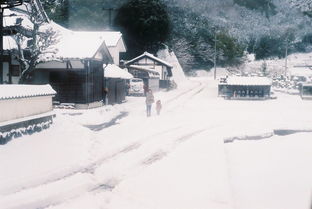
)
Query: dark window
[{"x": 15, "y": 70}]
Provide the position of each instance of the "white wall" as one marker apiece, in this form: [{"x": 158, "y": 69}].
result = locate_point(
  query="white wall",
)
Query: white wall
[
  {"x": 114, "y": 51},
  {"x": 22, "y": 107}
]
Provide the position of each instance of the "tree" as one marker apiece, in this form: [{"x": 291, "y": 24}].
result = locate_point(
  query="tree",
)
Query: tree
[
  {"x": 57, "y": 10},
  {"x": 264, "y": 68},
  {"x": 265, "y": 6},
  {"x": 182, "y": 49},
  {"x": 145, "y": 25},
  {"x": 232, "y": 51},
  {"x": 42, "y": 39}
]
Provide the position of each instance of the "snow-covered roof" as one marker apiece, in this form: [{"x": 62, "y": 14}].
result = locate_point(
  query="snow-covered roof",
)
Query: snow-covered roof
[
  {"x": 19, "y": 91},
  {"x": 113, "y": 71},
  {"x": 9, "y": 43},
  {"x": 78, "y": 45},
  {"x": 111, "y": 38},
  {"x": 10, "y": 17},
  {"x": 248, "y": 81},
  {"x": 146, "y": 54},
  {"x": 81, "y": 44}
]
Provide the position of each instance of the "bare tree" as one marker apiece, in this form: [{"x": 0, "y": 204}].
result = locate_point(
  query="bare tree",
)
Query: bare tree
[
  {"x": 182, "y": 49},
  {"x": 42, "y": 39}
]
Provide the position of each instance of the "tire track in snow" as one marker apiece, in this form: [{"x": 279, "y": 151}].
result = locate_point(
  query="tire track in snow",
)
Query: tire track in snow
[
  {"x": 160, "y": 154},
  {"x": 91, "y": 167},
  {"x": 111, "y": 183},
  {"x": 188, "y": 96}
]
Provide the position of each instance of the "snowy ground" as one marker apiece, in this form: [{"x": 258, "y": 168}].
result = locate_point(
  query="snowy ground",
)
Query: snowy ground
[{"x": 115, "y": 157}]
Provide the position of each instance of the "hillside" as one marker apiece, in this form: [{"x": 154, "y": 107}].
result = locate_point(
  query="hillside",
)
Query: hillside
[{"x": 257, "y": 26}]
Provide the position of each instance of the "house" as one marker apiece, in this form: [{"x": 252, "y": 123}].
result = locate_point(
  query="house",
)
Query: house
[
  {"x": 245, "y": 88},
  {"x": 27, "y": 108},
  {"x": 149, "y": 76},
  {"x": 15, "y": 21},
  {"x": 150, "y": 62},
  {"x": 114, "y": 43},
  {"x": 76, "y": 70}
]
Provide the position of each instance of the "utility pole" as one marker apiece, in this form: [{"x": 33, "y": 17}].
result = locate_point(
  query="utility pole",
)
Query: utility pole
[
  {"x": 1, "y": 46},
  {"x": 286, "y": 56},
  {"x": 215, "y": 56},
  {"x": 110, "y": 16}
]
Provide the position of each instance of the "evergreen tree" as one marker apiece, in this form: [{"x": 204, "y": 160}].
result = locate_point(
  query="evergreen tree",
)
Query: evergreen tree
[
  {"x": 57, "y": 10},
  {"x": 265, "y": 6},
  {"x": 145, "y": 25}
]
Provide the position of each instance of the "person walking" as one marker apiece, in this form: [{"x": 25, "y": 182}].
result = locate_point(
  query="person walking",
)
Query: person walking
[
  {"x": 158, "y": 107},
  {"x": 149, "y": 102}
]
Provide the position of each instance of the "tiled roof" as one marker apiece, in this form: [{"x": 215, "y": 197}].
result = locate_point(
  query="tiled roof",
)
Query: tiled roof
[
  {"x": 150, "y": 56},
  {"x": 20, "y": 91}
]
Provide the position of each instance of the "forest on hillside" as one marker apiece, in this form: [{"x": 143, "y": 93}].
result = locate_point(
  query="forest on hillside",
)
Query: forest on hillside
[{"x": 191, "y": 28}]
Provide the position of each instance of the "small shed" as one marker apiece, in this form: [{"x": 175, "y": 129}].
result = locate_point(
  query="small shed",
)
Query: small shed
[
  {"x": 115, "y": 84},
  {"x": 245, "y": 88},
  {"x": 150, "y": 77},
  {"x": 149, "y": 61},
  {"x": 24, "y": 106},
  {"x": 306, "y": 91}
]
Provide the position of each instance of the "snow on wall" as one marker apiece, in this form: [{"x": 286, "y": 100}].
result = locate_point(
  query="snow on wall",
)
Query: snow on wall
[{"x": 20, "y": 91}]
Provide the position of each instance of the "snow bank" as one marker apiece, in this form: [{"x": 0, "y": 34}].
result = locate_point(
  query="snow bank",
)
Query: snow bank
[
  {"x": 177, "y": 71},
  {"x": 277, "y": 66},
  {"x": 274, "y": 173}
]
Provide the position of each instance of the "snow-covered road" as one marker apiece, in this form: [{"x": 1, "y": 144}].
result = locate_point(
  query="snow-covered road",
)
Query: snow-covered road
[{"x": 175, "y": 160}]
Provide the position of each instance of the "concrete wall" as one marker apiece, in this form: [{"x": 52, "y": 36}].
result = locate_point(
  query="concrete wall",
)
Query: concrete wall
[{"x": 22, "y": 107}]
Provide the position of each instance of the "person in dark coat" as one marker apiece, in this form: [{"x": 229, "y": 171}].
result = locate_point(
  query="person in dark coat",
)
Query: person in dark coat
[
  {"x": 149, "y": 102},
  {"x": 145, "y": 88}
]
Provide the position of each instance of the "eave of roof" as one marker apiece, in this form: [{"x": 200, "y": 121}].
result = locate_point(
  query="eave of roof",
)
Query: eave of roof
[
  {"x": 23, "y": 91},
  {"x": 149, "y": 55}
]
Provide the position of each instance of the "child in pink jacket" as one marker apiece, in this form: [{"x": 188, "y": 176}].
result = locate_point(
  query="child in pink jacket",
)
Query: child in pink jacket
[{"x": 158, "y": 107}]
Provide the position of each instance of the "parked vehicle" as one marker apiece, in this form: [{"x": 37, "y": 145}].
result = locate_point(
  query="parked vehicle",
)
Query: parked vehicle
[{"x": 136, "y": 86}]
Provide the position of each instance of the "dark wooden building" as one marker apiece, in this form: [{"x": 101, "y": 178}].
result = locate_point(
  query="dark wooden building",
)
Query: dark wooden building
[
  {"x": 245, "y": 88},
  {"x": 149, "y": 62}
]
